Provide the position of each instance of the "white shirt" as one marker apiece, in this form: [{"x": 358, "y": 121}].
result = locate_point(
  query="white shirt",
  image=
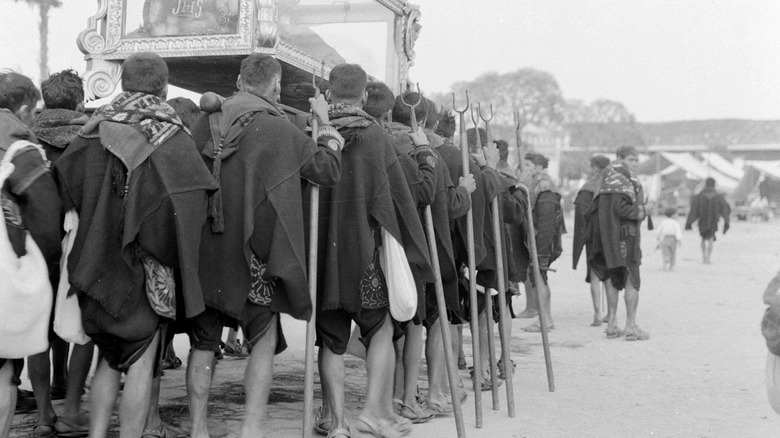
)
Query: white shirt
[{"x": 669, "y": 227}]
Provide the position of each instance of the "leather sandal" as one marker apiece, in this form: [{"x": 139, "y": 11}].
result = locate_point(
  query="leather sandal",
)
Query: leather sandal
[
  {"x": 339, "y": 432},
  {"x": 378, "y": 429},
  {"x": 416, "y": 414},
  {"x": 322, "y": 425}
]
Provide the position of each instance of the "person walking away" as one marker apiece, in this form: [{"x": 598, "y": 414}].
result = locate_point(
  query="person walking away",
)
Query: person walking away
[
  {"x": 371, "y": 195},
  {"x": 707, "y": 208},
  {"x": 31, "y": 204},
  {"x": 55, "y": 127},
  {"x": 669, "y": 237},
  {"x": 253, "y": 248},
  {"x": 140, "y": 191}
]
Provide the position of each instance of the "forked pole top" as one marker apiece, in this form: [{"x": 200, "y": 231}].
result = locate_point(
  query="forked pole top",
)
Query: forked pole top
[{"x": 463, "y": 111}]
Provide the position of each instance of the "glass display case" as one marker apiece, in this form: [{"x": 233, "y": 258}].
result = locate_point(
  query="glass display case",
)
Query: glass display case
[{"x": 203, "y": 41}]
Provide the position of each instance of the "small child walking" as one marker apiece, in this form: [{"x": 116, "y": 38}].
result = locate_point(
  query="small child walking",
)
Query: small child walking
[{"x": 669, "y": 237}]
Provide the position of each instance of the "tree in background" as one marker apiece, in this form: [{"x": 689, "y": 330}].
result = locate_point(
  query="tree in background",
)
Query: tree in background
[{"x": 44, "y": 6}]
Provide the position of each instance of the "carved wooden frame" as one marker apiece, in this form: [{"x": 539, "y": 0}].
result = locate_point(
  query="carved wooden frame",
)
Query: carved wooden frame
[{"x": 104, "y": 45}]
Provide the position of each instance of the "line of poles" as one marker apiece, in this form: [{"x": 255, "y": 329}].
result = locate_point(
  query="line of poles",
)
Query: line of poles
[{"x": 504, "y": 322}]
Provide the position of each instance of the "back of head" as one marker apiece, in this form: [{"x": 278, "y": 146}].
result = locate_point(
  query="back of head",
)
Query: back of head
[
  {"x": 537, "y": 159},
  {"x": 259, "y": 71},
  {"x": 472, "y": 139},
  {"x": 503, "y": 149},
  {"x": 380, "y": 99},
  {"x": 403, "y": 114},
  {"x": 670, "y": 212},
  {"x": 599, "y": 162},
  {"x": 63, "y": 90},
  {"x": 709, "y": 183},
  {"x": 446, "y": 123},
  {"x": 626, "y": 151},
  {"x": 17, "y": 90},
  {"x": 432, "y": 116},
  {"x": 347, "y": 82},
  {"x": 145, "y": 72},
  {"x": 186, "y": 109}
]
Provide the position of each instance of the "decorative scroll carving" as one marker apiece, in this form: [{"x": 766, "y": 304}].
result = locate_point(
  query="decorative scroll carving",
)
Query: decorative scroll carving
[
  {"x": 411, "y": 30},
  {"x": 91, "y": 41},
  {"x": 101, "y": 79},
  {"x": 267, "y": 27}
]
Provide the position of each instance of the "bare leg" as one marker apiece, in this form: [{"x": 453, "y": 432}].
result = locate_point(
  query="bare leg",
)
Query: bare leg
[
  {"x": 200, "y": 369},
  {"x": 632, "y": 302},
  {"x": 137, "y": 393},
  {"x": 325, "y": 410},
  {"x": 434, "y": 355},
  {"x": 411, "y": 362},
  {"x": 457, "y": 339},
  {"x": 257, "y": 382},
  {"x": 710, "y": 243},
  {"x": 102, "y": 397},
  {"x": 153, "y": 420},
  {"x": 7, "y": 399},
  {"x": 612, "y": 303},
  {"x": 332, "y": 375},
  {"x": 704, "y": 258},
  {"x": 398, "y": 380},
  {"x": 544, "y": 294},
  {"x": 379, "y": 363},
  {"x": 531, "y": 302},
  {"x": 39, "y": 369},
  {"x": 595, "y": 295},
  {"x": 59, "y": 359},
  {"x": 80, "y": 362}
]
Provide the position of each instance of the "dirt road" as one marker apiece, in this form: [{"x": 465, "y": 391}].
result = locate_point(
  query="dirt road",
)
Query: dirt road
[{"x": 701, "y": 374}]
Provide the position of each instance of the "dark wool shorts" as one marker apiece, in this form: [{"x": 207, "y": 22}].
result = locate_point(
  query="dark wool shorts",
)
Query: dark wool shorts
[
  {"x": 18, "y": 366},
  {"x": 333, "y": 327},
  {"x": 205, "y": 330},
  {"x": 119, "y": 353}
]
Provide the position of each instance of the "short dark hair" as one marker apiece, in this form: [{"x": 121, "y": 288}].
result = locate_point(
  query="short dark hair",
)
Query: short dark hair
[
  {"x": 63, "y": 90},
  {"x": 537, "y": 159},
  {"x": 16, "y": 90},
  {"x": 380, "y": 99},
  {"x": 186, "y": 109},
  {"x": 145, "y": 72},
  {"x": 348, "y": 81},
  {"x": 259, "y": 69},
  {"x": 472, "y": 139},
  {"x": 670, "y": 211},
  {"x": 599, "y": 162},
  {"x": 401, "y": 112},
  {"x": 626, "y": 151},
  {"x": 709, "y": 182},
  {"x": 446, "y": 127}
]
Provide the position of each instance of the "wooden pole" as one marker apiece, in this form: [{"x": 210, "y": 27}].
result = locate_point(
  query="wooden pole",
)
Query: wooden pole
[
  {"x": 487, "y": 295},
  {"x": 446, "y": 336},
  {"x": 314, "y": 213},
  {"x": 503, "y": 320},
  {"x": 538, "y": 280},
  {"x": 474, "y": 317}
]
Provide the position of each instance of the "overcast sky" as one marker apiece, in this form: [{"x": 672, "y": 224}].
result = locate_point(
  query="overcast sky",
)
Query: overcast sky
[{"x": 664, "y": 59}]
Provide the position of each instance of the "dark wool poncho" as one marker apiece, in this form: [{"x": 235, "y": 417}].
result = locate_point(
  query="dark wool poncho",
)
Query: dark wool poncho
[
  {"x": 581, "y": 206},
  {"x": 163, "y": 213},
  {"x": 372, "y": 192},
  {"x": 613, "y": 228},
  {"x": 265, "y": 160}
]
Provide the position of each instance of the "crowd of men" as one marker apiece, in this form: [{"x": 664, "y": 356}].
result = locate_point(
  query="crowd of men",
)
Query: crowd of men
[{"x": 193, "y": 220}]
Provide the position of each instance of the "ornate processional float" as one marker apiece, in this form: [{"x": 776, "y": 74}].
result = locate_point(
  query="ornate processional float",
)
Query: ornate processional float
[{"x": 204, "y": 41}]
